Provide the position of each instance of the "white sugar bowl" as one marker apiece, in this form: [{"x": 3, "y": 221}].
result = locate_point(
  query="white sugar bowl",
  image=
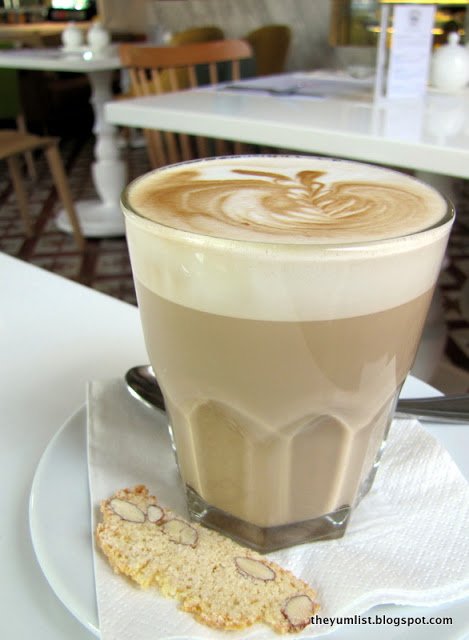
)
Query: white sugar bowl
[
  {"x": 450, "y": 65},
  {"x": 72, "y": 37},
  {"x": 98, "y": 38}
]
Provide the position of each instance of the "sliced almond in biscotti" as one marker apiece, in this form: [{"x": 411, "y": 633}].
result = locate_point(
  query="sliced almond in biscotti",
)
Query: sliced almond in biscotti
[
  {"x": 256, "y": 569},
  {"x": 180, "y": 532},
  {"x": 298, "y": 611},
  {"x": 127, "y": 510},
  {"x": 155, "y": 513}
]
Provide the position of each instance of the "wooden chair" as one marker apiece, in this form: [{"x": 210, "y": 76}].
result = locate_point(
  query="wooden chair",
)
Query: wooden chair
[
  {"x": 13, "y": 144},
  {"x": 188, "y": 36},
  {"x": 11, "y": 108},
  {"x": 156, "y": 70},
  {"x": 197, "y": 34},
  {"x": 270, "y": 45}
]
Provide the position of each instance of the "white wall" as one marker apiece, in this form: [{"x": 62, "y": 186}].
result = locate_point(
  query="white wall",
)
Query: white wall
[{"x": 308, "y": 19}]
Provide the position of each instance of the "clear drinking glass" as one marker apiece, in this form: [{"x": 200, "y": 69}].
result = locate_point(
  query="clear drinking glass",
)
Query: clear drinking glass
[{"x": 280, "y": 363}]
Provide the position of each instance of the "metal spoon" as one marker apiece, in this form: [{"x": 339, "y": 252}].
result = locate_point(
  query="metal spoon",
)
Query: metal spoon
[{"x": 142, "y": 384}]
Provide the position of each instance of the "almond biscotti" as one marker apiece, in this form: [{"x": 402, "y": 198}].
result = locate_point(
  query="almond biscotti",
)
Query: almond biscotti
[{"x": 223, "y": 584}]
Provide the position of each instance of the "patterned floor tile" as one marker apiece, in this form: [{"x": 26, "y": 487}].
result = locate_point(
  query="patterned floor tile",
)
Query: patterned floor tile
[
  {"x": 12, "y": 246},
  {"x": 66, "y": 266}
]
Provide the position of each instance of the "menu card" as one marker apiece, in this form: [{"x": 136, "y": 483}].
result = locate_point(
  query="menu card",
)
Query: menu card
[{"x": 409, "y": 58}]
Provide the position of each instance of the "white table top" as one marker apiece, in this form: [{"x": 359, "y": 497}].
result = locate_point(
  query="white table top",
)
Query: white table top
[
  {"x": 101, "y": 216},
  {"x": 54, "y": 336},
  {"x": 82, "y": 61},
  {"x": 426, "y": 135}
]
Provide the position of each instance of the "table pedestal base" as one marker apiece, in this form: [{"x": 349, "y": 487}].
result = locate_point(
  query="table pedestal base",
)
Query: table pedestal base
[{"x": 97, "y": 219}]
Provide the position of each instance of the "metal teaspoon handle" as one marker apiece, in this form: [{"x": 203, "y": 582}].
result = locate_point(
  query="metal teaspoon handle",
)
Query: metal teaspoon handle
[{"x": 452, "y": 408}]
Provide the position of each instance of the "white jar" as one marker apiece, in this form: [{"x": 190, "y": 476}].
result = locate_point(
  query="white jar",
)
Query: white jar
[
  {"x": 72, "y": 37},
  {"x": 450, "y": 65},
  {"x": 98, "y": 38}
]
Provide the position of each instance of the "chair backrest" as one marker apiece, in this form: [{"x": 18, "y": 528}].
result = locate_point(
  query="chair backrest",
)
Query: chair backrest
[
  {"x": 270, "y": 45},
  {"x": 10, "y": 102},
  {"x": 156, "y": 70},
  {"x": 145, "y": 63},
  {"x": 197, "y": 34}
]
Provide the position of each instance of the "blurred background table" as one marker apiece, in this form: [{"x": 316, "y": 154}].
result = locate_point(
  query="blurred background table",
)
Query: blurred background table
[
  {"x": 431, "y": 135},
  {"x": 99, "y": 218},
  {"x": 34, "y": 34}
]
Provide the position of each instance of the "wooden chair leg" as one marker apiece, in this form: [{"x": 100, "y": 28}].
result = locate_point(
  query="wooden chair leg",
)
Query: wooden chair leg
[
  {"x": 155, "y": 148},
  {"x": 185, "y": 147},
  {"x": 221, "y": 147},
  {"x": 202, "y": 147},
  {"x": 61, "y": 183},
  {"x": 21, "y": 125},
  {"x": 241, "y": 148},
  {"x": 171, "y": 146},
  {"x": 20, "y": 192}
]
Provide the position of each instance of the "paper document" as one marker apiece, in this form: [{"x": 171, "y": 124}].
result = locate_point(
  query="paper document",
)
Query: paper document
[
  {"x": 409, "y": 60},
  {"x": 300, "y": 86}
]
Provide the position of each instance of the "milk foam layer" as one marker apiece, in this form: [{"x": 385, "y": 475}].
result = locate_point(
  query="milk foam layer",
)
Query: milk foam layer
[
  {"x": 294, "y": 199},
  {"x": 313, "y": 273}
]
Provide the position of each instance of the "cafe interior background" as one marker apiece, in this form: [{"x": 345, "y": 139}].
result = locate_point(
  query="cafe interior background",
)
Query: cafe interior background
[{"x": 324, "y": 34}]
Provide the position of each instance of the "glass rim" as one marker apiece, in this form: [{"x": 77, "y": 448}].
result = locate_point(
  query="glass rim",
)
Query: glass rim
[{"x": 130, "y": 211}]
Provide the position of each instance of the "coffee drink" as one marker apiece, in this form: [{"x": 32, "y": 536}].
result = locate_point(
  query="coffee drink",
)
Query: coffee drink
[{"x": 282, "y": 301}]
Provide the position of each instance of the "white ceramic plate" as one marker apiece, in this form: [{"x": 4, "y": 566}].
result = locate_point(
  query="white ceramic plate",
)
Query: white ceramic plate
[{"x": 59, "y": 517}]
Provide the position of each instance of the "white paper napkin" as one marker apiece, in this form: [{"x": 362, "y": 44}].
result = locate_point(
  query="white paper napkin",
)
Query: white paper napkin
[{"x": 407, "y": 541}]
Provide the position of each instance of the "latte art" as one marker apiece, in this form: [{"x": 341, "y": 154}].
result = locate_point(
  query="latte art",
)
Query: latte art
[{"x": 302, "y": 205}]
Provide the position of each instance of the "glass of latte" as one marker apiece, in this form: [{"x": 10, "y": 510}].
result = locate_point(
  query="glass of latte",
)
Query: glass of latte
[{"x": 282, "y": 300}]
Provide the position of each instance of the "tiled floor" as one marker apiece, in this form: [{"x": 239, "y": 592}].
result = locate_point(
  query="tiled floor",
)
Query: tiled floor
[{"x": 104, "y": 265}]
